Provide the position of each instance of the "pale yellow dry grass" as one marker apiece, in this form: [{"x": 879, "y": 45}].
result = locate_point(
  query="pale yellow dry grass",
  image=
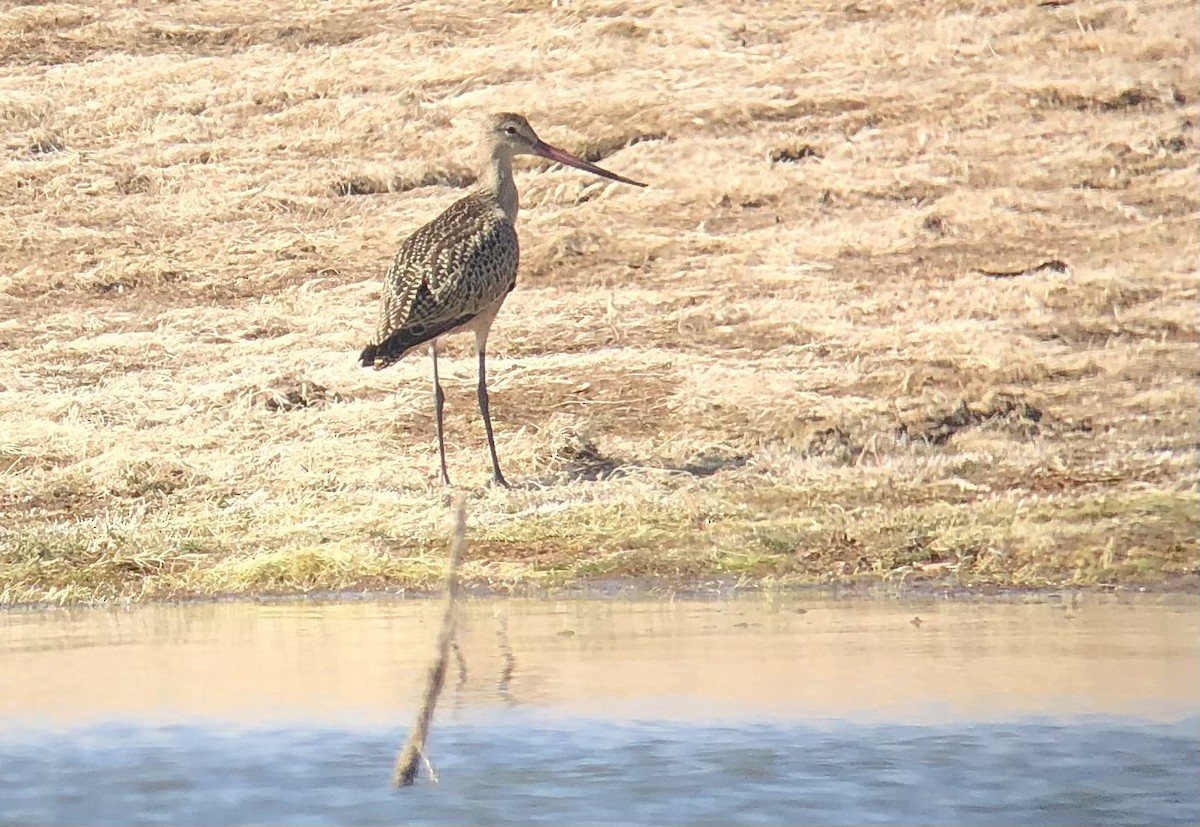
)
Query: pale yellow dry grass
[{"x": 200, "y": 199}]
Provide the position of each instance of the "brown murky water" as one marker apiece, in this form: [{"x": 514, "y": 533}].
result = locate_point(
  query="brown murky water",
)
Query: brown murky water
[{"x": 794, "y": 657}]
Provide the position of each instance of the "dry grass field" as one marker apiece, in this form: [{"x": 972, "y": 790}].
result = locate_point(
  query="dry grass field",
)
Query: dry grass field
[{"x": 819, "y": 347}]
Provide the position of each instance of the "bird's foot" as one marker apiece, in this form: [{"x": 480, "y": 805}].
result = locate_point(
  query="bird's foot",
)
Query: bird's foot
[{"x": 498, "y": 480}]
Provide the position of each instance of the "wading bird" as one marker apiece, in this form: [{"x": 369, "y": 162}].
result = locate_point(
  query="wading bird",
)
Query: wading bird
[{"x": 454, "y": 273}]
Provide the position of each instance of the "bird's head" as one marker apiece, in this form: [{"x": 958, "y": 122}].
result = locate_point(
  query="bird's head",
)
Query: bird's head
[
  {"x": 510, "y": 131},
  {"x": 511, "y": 134}
]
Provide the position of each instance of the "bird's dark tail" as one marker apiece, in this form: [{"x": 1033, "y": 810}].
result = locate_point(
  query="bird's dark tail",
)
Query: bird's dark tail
[
  {"x": 369, "y": 355},
  {"x": 393, "y": 348},
  {"x": 383, "y": 355}
]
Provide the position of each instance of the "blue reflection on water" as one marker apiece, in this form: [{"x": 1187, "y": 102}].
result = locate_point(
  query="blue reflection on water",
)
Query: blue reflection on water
[{"x": 524, "y": 769}]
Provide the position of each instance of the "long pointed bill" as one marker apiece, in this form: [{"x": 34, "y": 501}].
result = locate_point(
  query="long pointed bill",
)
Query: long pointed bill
[{"x": 561, "y": 156}]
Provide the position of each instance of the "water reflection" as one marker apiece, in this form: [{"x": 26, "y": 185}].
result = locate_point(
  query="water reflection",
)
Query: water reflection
[{"x": 796, "y": 657}]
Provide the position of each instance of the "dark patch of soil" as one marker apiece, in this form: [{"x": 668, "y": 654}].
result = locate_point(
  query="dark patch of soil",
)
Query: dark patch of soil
[
  {"x": 1007, "y": 412},
  {"x": 795, "y": 154},
  {"x": 291, "y": 393},
  {"x": 834, "y": 443}
]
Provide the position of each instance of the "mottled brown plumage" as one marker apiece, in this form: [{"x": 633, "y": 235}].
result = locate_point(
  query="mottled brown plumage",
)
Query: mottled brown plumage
[
  {"x": 455, "y": 272},
  {"x": 446, "y": 274}
]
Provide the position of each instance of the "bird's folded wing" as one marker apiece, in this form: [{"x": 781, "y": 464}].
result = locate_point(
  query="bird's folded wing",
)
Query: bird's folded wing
[{"x": 457, "y": 265}]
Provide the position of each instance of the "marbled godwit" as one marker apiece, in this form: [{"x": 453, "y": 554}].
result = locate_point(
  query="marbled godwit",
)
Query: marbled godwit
[{"x": 455, "y": 272}]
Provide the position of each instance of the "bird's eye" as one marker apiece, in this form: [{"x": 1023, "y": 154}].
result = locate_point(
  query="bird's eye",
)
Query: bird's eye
[{"x": 511, "y": 130}]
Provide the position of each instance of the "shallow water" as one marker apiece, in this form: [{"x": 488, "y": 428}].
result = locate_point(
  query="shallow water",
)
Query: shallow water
[{"x": 801, "y": 709}]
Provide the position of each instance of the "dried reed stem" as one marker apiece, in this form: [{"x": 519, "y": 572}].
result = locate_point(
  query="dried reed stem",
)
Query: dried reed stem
[{"x": 409, "y": 759}]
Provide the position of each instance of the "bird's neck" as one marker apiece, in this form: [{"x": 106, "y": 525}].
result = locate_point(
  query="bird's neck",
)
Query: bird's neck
[{"x": 496, "y": 183}]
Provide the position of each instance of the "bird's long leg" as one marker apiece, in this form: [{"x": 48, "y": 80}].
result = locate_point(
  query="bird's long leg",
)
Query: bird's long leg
[
  {"x": 439, "y": 400},
  {"x": 497, "y": 477}
]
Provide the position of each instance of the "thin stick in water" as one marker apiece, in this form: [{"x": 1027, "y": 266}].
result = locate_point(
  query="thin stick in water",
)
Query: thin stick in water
[{"x": 409, "y": 759}]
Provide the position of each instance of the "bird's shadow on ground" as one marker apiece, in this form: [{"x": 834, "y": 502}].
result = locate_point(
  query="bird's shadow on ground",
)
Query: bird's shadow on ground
[{"x": 589, "y": 465}]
